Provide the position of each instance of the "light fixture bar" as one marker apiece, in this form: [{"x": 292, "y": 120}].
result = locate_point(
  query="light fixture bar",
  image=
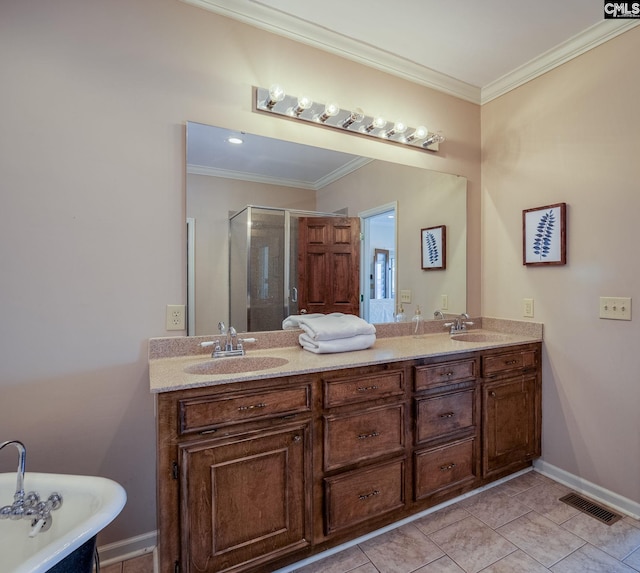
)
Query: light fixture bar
[{"x": 275, "y": 101}]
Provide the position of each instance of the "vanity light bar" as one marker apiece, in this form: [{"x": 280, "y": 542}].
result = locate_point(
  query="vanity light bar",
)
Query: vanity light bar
[{"x": 275, "y": 101}]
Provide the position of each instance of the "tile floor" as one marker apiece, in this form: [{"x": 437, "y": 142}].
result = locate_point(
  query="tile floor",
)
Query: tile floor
[{"x": 516, "y": 527}]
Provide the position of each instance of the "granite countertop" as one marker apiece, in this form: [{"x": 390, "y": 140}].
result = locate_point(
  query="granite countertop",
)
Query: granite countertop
[{"x": 169, "y": 357}]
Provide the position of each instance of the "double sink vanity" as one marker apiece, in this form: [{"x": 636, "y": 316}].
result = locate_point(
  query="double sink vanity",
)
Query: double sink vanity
[{"x": 266, "y": 459}]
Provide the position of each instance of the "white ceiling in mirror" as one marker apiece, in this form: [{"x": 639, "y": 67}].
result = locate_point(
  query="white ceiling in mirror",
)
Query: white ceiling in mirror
[{"x": 265, "y": 160}]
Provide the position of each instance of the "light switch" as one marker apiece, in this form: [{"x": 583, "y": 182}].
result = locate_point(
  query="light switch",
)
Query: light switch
[
  {"x": 444, "y": 302},
  {"x": 615, "y": 308},
  {"x": 527, "y": 307}
]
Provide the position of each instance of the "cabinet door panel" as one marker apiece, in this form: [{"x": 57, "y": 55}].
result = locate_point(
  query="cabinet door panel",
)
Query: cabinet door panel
[
  {"x": 368, "y": 434},
  {"x": 511, "y": 428},
  {"x": 243, "y": 500}
]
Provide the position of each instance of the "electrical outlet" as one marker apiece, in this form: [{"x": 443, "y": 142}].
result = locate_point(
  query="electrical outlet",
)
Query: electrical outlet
[
  {"x": 405, "y": 296},
  {"x": 444, "y": 302},
  {"x": 527, "y": 307},
  {"x": 175, "y": 317},
  {"x": 615, "y": 308}
]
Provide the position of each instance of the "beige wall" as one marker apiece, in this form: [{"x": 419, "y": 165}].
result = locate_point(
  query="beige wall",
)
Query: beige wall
[
  {"x": 573, "y": 135},
  {"x": 94, "y": 100}
]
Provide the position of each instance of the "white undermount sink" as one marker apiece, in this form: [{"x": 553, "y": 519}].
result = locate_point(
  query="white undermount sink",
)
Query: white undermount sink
[
  {"x": 89, "y": 505},
  {"x": 236, "y": 365},
  {"x": 479, "y": 336}
]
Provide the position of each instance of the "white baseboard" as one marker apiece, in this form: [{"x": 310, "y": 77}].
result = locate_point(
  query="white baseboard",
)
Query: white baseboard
[
  {"x": 592, "y": 490},
  {"x": 128, "y": 549}
]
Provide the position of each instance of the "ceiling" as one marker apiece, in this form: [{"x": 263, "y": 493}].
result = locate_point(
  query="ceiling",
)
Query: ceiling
[{"x": 473, "y": 49}]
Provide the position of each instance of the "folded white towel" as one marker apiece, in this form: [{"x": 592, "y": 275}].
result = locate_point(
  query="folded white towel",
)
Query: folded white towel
[
  {"x": 335, "y": 325},
  {"x": 293, "y": 320},
  {"x": 357, "y": 342}
]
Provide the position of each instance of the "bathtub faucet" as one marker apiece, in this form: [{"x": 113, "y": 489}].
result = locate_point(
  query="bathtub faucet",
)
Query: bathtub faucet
[
  {"x": 18, "y": 498},
  {"x": 29, "y": 506}
]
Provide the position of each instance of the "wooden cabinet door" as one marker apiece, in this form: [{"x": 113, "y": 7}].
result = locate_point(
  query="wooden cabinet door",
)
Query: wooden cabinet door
[
  {"x": 511, "y": 422},
  {"x": 243, "y": 499},
  {"x": 329, "y": 264}
]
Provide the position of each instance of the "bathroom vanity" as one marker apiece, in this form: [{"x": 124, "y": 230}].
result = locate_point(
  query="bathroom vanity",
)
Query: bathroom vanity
[{"x": 260, "y": 469}]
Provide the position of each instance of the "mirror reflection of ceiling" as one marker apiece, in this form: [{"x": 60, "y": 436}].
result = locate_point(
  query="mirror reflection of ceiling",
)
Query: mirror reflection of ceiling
[{"x": 265, "y": 160}]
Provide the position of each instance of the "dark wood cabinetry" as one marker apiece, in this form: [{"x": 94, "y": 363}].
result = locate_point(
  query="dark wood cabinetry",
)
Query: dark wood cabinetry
[{"x": 254, "y": 475}]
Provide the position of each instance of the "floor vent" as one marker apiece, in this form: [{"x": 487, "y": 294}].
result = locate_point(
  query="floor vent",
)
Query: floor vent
[{"x": 587, "y": 506}]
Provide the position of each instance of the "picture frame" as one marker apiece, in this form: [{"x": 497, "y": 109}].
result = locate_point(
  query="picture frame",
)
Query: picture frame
[
  {"x": 544, "y": 235},
  {"x": 433, "y": 248}
]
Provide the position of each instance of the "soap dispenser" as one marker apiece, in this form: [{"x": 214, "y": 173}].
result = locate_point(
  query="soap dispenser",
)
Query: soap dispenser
[
  {"x": 400, "y": 317},
  {"x": 417, "y": 321}
]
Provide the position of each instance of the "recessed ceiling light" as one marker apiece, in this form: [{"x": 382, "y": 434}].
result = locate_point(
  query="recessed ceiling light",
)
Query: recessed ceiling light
[{"x": 235, "y": 140}]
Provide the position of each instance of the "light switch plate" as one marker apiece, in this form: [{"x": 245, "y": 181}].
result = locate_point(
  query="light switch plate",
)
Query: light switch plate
[
  {"x": 405, "y": 296},
  {"x": 444, "y": 302},
  {"x": 527, "y": 307},
  {"x": 615, "y": 307}
]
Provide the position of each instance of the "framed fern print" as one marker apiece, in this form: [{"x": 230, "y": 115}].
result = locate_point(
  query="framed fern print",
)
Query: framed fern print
[
  {"x": 544, "y": 235},
  {"x": 434, "y": 248}
]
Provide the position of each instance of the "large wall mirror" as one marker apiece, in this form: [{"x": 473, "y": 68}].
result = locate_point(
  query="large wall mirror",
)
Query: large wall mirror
[{"x": 224, "y": 178}]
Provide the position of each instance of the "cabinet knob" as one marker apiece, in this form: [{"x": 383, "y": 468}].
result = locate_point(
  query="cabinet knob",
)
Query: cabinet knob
[
  {"x": 297, "y": 438},
  {"x": 492, "y": 394}
]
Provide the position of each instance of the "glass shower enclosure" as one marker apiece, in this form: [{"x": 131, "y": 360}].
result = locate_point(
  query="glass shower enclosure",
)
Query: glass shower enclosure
[{"x": 263, "y": 261}]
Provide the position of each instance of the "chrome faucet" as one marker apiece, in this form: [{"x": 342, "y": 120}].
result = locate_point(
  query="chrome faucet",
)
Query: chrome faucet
[
  {"x": 18, "y": 498},
  {"x": 29, "y": 506},
  {"x": 233, "y": 344},
  {"x": 459, "y": 324},
  {"x": 438, "y": 314}
]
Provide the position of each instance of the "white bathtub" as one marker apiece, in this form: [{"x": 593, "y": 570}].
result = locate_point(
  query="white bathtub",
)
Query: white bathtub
[{"x": 89, "y": 505}]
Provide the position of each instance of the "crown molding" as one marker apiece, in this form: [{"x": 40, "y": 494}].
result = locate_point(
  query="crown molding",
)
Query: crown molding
[
  {"x": 305, "y": 32},
  {"x": 562, "y": 53},
  {"x": 256, "y": 14},
  {"x": 327, "y": 179}
]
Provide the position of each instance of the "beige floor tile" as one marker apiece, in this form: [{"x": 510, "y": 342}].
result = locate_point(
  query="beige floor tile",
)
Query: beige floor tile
[
  {"x": 545, "y": 500},
  {"x": 589, "y": 559},
  {"x": 494, "y": 508},
  {"x": 472, "y": 544},
  {"x": 541, "y": 538},
  {"x": 439, "y": 519},
  {"x": 619, "y": 540},
  {"x": 142, "y": 564},
  {"x": 401, "y": 550},
  {"x": 634, "y": 560},
  {"x": 442, "y": 565},
  {"x": 367, "y": 568},
  {"x": 516, "y": 562},
  {"x": 348, "y": 560},
  {"x": 522, "y": 483}
]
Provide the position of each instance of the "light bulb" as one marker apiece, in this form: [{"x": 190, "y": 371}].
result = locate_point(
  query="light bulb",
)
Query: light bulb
[
  {"x": 356, "y": 116},
  {"x": 419, "y": 133},
  {"x": 303, "y": 103},
  {"x": 276, "y": 94},
  {"x": 330, "y": 110},
  {"x": 399, "y": 128},
  {"x": 377, "y": 123},
  {"x": 432, "y": 139}
]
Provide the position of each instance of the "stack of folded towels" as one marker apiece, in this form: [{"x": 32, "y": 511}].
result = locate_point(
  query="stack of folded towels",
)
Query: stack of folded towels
[{"x": 335, "y": 332}]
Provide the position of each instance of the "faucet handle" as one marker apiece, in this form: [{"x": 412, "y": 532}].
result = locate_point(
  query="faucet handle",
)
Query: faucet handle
[{"x": 222, "y": 328}]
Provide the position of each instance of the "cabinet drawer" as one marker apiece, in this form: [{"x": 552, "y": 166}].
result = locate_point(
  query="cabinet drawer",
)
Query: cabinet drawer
[
  {"x": 518, "y": 360},
  {"x": 440, "y": 415},
  {"x": 341, "y": 391},
  {"x": 444, "y": 467},
  {"x": 368, "y": 434},
  {"x": 200, "y": 414},
  {"x": 445, "y": 373},
  {"x": 356, "y": 496}
]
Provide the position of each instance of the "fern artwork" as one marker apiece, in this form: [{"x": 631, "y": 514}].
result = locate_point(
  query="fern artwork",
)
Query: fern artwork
[
  {"x": 433, "y": 248},
  {"x": 544, "y": 235}
]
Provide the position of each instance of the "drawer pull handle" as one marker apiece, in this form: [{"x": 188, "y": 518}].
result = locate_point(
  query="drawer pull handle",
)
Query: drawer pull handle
[
  {"x": 251, "y": 407},
  {"x": 448, "y": 415},
  {"x": 367, "y": 388},
  {"x": 365, "y": 496},
  {"x": 509, "y": 362},
  {"x": 447, "y": 467},
  {"x": 450, "y": 373},
  {"x": 367, "y": 436}
]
